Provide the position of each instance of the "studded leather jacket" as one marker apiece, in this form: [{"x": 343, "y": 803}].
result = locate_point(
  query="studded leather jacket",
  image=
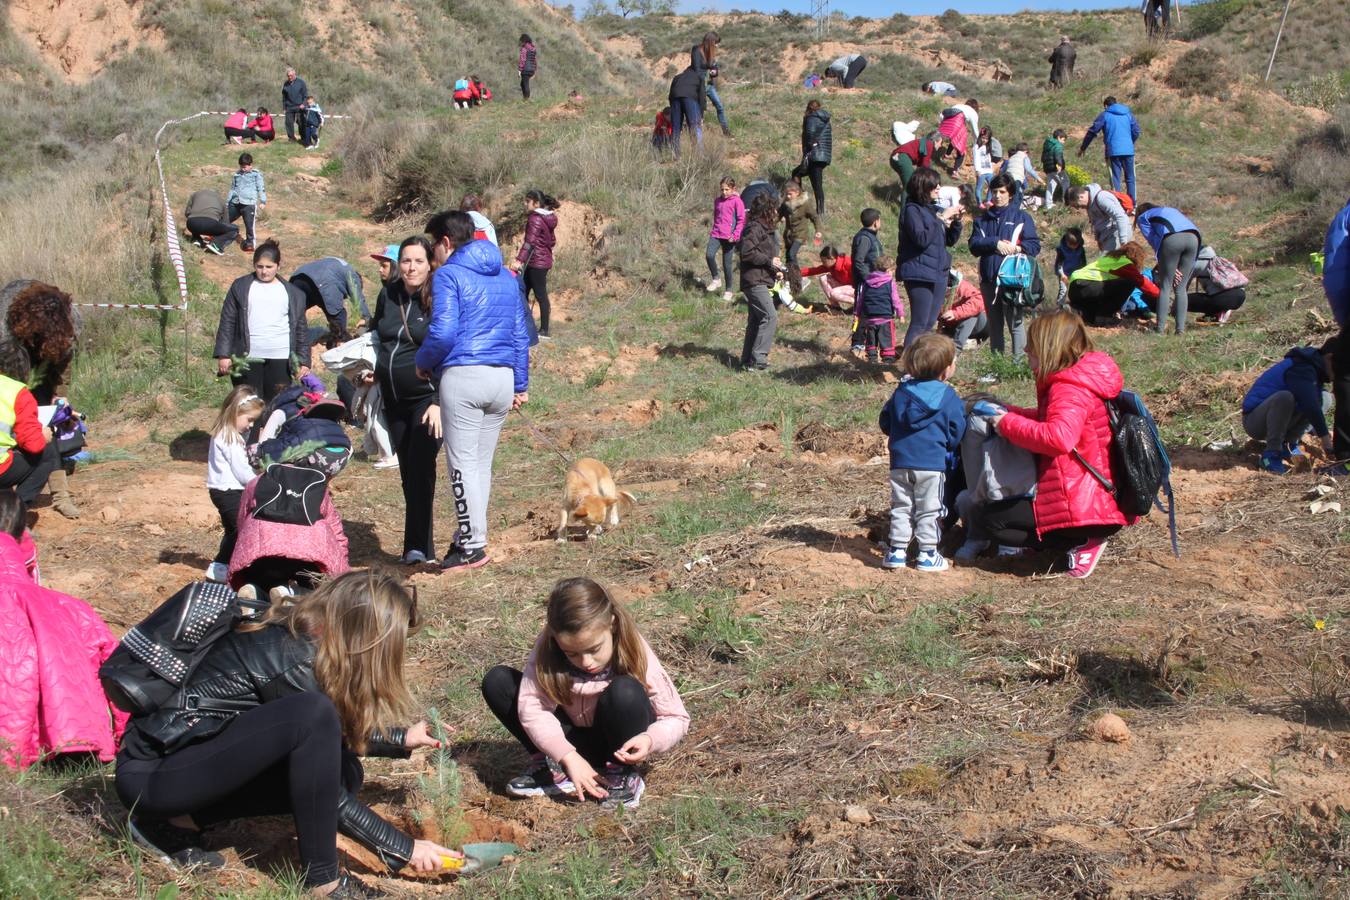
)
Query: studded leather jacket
[{"x": 244, "y": 670}]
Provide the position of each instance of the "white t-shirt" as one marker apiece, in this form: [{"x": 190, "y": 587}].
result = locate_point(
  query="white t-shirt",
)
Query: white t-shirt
[
  {"x": 269, "y": 321},
  {"x": 984, "y": 160}
]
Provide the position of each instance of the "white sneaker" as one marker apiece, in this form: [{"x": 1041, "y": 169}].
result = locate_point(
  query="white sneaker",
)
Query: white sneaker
[
  {"x": 714, "y": 286},
  {"x": 729, "y": 296},
  {"x": 389, "y": 462},
  {"x": 971, "y": 550},
  {"x": 991, "y": 378},
  {"x": 217, "y": 572}
]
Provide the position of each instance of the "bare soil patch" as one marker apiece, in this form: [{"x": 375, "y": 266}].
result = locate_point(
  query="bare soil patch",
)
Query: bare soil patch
[{"x": 79, "y": 38}]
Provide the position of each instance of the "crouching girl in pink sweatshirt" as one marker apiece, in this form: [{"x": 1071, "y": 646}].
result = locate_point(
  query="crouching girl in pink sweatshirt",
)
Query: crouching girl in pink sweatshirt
[{"x": 592, "y": 703}]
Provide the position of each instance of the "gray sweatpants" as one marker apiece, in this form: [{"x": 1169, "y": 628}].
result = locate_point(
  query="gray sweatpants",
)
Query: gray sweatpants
[
  {"x": 999, "y": 314},
  {"x": 760, "y": 326},
  {"x": 916, "y": 507},
  {"x": 1176, "y": 253},
  {"x": 1277, "y": 421},
  {"x": 967, "y": 328},
  {"x": 474, "y": 404}
]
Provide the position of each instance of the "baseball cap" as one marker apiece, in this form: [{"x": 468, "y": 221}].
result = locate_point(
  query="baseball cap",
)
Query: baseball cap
[{"x": 390, "y": 253}]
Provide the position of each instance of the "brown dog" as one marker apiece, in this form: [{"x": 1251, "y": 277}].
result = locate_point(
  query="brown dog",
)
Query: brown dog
[{"x": 591, "y": 498}]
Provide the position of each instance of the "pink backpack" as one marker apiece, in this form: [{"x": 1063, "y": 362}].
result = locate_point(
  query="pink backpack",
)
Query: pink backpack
[{"x": 1224, "y": 275}]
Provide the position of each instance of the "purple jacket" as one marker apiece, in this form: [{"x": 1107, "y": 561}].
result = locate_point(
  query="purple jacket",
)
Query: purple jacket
[
  {"x": 537, "y": 251},
  {"x": 728, "y": 218}
]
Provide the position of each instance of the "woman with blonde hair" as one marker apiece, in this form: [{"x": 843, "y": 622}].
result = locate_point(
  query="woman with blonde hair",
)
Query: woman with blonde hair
[
  {"x": 271, "y": 722},
  {"x": 1068, "y": 431}
]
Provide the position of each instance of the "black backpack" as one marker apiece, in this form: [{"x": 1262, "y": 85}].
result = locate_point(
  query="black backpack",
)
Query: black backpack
[
  {"x": 290, "y": 494},
  {"x": 157, "y": 656},
  {"x": 1139, "y": 461}
]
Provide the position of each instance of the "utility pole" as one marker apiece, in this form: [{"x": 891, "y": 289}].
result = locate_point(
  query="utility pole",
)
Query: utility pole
[
  {"x": 1287, "y": 4},
  {"x": 820, "y": 11}
]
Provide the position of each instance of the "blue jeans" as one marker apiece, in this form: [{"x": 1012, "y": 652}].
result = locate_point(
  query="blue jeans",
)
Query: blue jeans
[
  {"x": 982, "y": 187},
  {"x": 684, "y": 113},
  {"x": 716, "y": 101},
  {"x": 1122, "y": 167}
]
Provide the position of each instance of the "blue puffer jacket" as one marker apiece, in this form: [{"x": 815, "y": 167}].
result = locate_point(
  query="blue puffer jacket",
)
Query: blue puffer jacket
[
  {"x": 1336, "y": 266},
  {"x": 1119, "y": 129},
  {"x": 924, "y": 239},
  {"x": 477, "y": 317},
  {"x": 1157, "y": 223},
  {"x": 995, "y": 225},
  {"x": 1301, "y": 373}
]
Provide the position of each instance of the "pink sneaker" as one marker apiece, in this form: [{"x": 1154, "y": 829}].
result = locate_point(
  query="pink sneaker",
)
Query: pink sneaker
[{"x": 1083, "y": 558}]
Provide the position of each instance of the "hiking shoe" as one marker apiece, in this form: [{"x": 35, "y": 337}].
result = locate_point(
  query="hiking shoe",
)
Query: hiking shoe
[
  {"x": 215, "y": 248},
  {"x": 247, "y": 247},
  {"x": 1224, "y": 317},
  {"x": 714, "y": 286},
  {"x": 414, "y": 558},
  {"x": 349, "y": 887},
  {"x": 459, "y": 558},
  {"x": 931, "y": 561},
  {"x": 1083, "y": 558},
  {"x": 625, "y": 787},
  {"x": 172, "y": 845},
  {"x": 894, "y": 559},
  {"x": 389, "y": 462},
  {"x": 217, "y": 572},
  {"x": 545, "y": 778},
  {"x": 1272, "y": 463},
  {"x": 970, "y": 550}
]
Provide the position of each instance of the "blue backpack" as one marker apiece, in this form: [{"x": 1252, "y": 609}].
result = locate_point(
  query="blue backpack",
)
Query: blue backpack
[
  {"x": 1018, "y": 283},
  {"x": 462, "y": 84},
  {"x": 1139, "y": 461}
]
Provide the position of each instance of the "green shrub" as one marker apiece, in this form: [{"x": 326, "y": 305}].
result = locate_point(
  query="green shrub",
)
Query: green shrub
[
  {"x": 1211, "y": 16},
  {"x": 1325, "y": 92},
  {"x": 1199, "y": 73},
  {"x": 897, "y": 24}
]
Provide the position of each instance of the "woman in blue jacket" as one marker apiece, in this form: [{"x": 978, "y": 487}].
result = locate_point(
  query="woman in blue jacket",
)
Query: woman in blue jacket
[
  {"x": 477, "y": 351},
  {"x": 1003, "y": 230},
  {"x": 923, "y": 259},
  {"x": 1175, "y": 240}
]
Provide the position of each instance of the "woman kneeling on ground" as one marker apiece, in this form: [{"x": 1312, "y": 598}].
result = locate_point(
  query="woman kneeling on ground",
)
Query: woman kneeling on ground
[
  {"x": 1068, "y": 431},
  {"x": 296, "y": 696}
]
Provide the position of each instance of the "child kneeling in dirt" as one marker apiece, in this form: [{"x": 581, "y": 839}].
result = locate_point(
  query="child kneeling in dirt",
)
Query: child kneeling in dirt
[
  {"x": 289, "y": 532},
  {"x": 592, "y": 703},
  {"x": 1285, "y": 402},
  {"x": 924, "y": 421}
]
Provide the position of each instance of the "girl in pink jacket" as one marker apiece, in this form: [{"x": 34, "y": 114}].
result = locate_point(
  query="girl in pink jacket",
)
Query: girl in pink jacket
[
  {"x": 728, "y": 223},
  {"x": 592, "y": 703}
]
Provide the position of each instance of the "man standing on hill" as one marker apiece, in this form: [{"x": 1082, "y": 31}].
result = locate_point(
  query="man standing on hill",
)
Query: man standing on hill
[
  {"x": 1336, "y": 282},
  {"x": 1119, "y": 129},
  {"x": 1061, "y": 63},
  {"x": 293, "y": 94}
]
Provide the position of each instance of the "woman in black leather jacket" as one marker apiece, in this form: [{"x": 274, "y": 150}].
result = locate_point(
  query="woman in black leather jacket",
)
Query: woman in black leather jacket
[{"x": 271, "y": 722}]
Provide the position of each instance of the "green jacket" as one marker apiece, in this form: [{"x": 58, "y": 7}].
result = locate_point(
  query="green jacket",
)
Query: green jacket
[
  {"x": 800, "y": 222},
  {"x": 1052, "y": 155}
]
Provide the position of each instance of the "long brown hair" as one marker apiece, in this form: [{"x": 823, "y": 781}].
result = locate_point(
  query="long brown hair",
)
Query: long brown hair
[
  {"x": 709, "y": 47},
  {"x": 575, "y": 605},
  {"x": 359, "y": 624},
  {"x": 1057, "y": 341}
]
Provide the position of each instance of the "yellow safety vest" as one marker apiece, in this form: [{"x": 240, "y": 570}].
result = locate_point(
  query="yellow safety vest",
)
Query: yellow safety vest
[
  {"x": 1100, "y": 269},
  {"x": 9, "y": 394}
]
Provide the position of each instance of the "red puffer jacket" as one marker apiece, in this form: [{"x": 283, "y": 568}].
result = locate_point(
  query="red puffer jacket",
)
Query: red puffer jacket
[
  {"x": 1070, "y": 414},
  {"x": 51, "y": 646}
]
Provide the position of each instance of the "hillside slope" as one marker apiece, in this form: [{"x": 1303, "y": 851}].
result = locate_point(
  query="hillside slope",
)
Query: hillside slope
[{"x": 1315, "y": 43}]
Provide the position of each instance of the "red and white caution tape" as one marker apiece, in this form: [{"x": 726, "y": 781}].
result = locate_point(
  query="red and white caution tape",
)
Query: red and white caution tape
[{"x": 171, "y": 227}]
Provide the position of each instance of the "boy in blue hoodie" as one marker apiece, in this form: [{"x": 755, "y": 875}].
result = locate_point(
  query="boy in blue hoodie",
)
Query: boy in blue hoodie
[
  {"x": 924, "y": 421},
  {"x": 1285, "y": 401}
]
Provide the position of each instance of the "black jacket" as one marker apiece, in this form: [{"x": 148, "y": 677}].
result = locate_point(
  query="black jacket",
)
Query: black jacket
[
  {"x": 400, "y": 327},
  {"x": 759, "y": 245},
  {"x": 244, "y": 670},
  {"x": 1061, "y": 64},
  {"x": 817, "y": 137},
  {"x": 294, "y": 93},
  {"x": 232, "y": 333},
  {"x": 688, "y": 85}
]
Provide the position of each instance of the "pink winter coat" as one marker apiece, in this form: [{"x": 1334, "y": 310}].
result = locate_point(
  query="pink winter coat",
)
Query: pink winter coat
[
  {"x": 324, "y": 544},
  {"x": 728, "y": 218},
  {"x": 236, "y": 120},
  {"x": 51, "y": 646},
  {"x": 1070, "y": 415}
]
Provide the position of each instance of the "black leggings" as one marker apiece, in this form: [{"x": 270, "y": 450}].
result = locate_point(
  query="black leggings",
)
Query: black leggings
[
  {"x": 537, "y": 280},
  {"x": 622, "y": 712},
  {"x": 1099, "y": 299},
  {"x": 525, "y": 84},
  {"x": 227, "y": 504},
  {"x": 28, "y": 472},
  {"x": 267, "y": 377},
  {"x": 285, "y": 756},
  {"x": 417, "y": 459},
  {"x": 238, "y": 132},
  {"x": 816, "y": 172},
  {"x": 1012, "y": 523},
  {"x": 1207, "y": 304}
]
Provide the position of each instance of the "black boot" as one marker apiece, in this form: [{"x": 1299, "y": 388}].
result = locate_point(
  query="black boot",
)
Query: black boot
[{"x": 726, "y": 130}]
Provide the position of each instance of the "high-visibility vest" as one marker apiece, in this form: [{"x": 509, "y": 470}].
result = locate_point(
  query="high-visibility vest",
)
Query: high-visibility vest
[
  {"x": 1100, "y": 269},
  {"x": 9, "y": 395}
]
